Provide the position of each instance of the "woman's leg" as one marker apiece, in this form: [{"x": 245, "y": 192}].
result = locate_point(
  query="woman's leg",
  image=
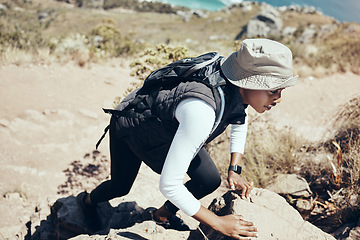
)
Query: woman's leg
[
  {"x": 205, "y": 178},
  {"x": 124, "y": 169}
]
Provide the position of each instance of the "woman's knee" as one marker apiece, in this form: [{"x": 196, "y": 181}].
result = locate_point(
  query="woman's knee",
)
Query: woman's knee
[
  {"x": 120, "y": 190},
  {"x": 214, "y": 183},
  {"x": 206, "y": 186}
]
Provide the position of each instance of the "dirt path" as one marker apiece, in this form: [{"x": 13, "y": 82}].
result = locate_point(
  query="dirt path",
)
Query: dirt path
[
  {"x": 310, "y": 105},
  {"x": 51, "y": 116}
]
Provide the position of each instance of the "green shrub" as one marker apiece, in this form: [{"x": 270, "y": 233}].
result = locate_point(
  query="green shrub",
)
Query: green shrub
[
  {"x": 108, "y": 38},
  {"x": 152, "y": 59}
]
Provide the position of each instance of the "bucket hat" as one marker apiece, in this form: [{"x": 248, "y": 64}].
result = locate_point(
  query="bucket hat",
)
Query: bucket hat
[{"x": 260, "y": 64}]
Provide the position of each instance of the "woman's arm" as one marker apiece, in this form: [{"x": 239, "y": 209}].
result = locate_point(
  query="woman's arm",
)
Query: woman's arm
[
  {"x": 237, "y": 146},
  {"x": 238, "y": 136},
  {"x": 196, "y": 119}
]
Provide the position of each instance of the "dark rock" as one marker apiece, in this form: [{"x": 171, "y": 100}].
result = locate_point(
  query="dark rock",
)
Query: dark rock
[{"x": 66, "y": 220}]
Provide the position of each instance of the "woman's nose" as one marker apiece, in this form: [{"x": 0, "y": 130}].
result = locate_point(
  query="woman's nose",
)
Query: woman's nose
[{"x": 278, "y": 100}]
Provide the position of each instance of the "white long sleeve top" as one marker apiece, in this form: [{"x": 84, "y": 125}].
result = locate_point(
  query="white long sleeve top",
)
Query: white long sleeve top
[{"x": 196, "y": 119}]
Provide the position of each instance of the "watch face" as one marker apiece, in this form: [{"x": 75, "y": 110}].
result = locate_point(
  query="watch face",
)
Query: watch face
[{"x": 235, "y": 168}]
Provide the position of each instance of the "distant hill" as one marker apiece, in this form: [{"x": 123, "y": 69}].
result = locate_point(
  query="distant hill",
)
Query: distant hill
[{"x": 109, "y": 28}]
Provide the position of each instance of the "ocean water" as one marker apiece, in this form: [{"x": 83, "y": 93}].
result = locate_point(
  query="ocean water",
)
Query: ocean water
[{"x": 344, "y": 11}]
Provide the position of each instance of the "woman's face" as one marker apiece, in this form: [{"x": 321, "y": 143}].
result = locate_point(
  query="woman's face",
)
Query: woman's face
[{"x": 261, "y": 100}]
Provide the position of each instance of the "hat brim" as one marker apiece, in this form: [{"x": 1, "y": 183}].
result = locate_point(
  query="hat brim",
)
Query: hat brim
[{"x": 245, "y": 79}]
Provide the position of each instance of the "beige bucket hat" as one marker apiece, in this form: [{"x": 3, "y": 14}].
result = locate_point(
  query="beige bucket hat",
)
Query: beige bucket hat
[{"x": 260, "y": 64}]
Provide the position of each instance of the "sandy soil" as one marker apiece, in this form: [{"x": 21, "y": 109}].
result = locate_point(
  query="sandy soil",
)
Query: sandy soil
[{"x": 51, "y": 116}]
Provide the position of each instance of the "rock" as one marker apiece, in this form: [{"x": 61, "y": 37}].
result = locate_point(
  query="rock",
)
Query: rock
[
  {"x": 271, "y": 214},
  {"x": 290, "y": 184},
  {"x": 16, "y": 231},
  {"x": 200, "y": 14},
  {"x": 246, "y": 8},
  {"x": 218, "y": 37},
  {"x": 307, "y": 35},
  {"x": 327, "y": 29},
  {"x": 35, "y": 116},
  {"x": 4, "y": 123},
  {"x": 289, "y": 31},
  {"x": 69, "y": 221},
  {"x": 299, "y": 9},
  {"x": 267, "y": 22},
  {"x": 304, "y": 206},
  {"x": 354, "y": 234},
  {"x": 66, "y": 220},
  {"x": 3, "y": 8},
  {"x": 42, "y": 16},
  {"x": 91, "y": 3},
  {"x": 187, "y": 15},
  {"x": 352, "y": 29}
]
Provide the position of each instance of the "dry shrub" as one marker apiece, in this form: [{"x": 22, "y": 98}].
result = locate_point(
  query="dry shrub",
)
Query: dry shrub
[
  {"x": 268, "y": 151},
  {"x": 352, "y": 161},
  {"x": 334, "y": 48},
  {"x": 346, "y": 122},
  {"x": 345, "y": 131},
  {"x": 341, "y": 48},
  {"x": 332, "y": 168},
  {"x": 334, "y": 163}
]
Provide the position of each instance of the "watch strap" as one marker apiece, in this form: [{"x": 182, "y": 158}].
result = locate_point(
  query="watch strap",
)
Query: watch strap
[{"x": 235, "y": 168}]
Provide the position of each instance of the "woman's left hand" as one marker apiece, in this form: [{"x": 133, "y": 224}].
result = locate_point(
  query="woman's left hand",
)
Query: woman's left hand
[{"x": 237, "y": 182}]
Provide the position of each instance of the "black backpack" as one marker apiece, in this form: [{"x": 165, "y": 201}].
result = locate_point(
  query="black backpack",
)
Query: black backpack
[{"x": 176, "y": 72}]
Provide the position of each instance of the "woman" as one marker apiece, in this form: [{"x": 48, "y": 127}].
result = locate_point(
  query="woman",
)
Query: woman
[{"x": 171, "y": 142}]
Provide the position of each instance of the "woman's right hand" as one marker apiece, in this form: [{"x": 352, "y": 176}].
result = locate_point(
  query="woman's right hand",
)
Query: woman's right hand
[{"x": 236, "y": 226}]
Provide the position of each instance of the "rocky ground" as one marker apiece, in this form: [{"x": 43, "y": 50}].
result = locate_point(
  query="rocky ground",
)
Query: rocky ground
[{"x": 51, "y": 118}]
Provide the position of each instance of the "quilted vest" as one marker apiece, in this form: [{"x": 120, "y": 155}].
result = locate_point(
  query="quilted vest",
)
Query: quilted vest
[{"x": 150, "y": 138}]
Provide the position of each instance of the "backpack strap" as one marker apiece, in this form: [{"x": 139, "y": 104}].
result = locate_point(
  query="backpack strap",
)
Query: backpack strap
[
  {"x": 129, "y": 113},
  {"x": 102, "y": 136},
  {"x": 201, "y": 65},
  {"x": 222, "y": 108}
]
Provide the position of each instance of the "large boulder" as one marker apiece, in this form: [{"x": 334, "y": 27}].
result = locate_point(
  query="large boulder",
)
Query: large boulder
[
  {"x": 267, "y": 22},
  {"x": 271, "y": 214}
]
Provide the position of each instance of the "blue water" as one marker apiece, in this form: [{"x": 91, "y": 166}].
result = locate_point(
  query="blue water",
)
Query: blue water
[{"x": 344, "y": 11}]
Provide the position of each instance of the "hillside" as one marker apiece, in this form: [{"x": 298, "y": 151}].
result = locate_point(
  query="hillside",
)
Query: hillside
[{"x": 57, "y": 31}]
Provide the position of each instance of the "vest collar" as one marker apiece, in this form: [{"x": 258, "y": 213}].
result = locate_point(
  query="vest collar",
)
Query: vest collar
[{"x": 236, "y": 114}]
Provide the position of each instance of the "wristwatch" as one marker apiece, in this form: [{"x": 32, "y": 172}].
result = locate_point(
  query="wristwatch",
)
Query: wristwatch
[{"x": 235, "y": 168}]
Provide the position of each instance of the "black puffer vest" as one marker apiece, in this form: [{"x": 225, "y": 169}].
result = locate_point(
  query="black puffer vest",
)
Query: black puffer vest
[{"x": 150, "y": 138}]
